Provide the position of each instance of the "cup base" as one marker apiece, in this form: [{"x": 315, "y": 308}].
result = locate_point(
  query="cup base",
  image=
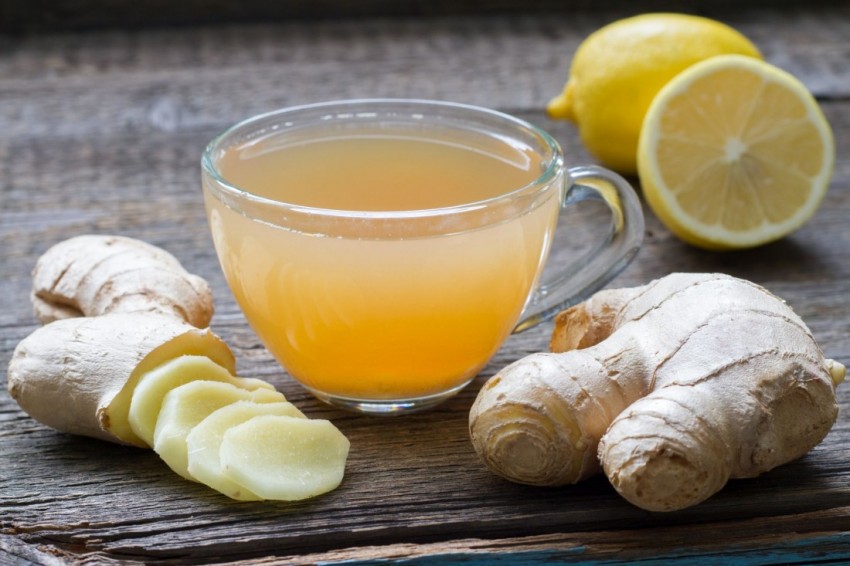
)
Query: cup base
[{"x": 386, "y": 407}]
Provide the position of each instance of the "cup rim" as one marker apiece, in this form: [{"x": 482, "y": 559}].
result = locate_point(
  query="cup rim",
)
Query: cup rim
[{"x": 544, "y": 180}]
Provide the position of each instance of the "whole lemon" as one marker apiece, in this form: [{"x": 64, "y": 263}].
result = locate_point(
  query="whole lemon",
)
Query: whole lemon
[{"x": 618, "y": 70}]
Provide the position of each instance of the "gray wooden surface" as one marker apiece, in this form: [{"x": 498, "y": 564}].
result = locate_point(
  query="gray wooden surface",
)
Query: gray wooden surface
[
  {"x": 58, "y": 15},
  {"x": 102, "y": 132}
]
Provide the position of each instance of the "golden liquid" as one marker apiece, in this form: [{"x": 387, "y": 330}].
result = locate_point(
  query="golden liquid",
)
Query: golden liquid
[{"x": 393, "y": 318}]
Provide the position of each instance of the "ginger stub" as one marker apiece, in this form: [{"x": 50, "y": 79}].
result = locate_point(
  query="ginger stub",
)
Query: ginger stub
[
  {"x": 671, "y": 388},
  {"x": 78, "y": 375},
  {"x": 124, "y": 356}
]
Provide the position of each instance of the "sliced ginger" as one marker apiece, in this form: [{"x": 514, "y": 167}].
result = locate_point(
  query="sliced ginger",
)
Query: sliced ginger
[
  {"x": 285, "y": 458},
  {"x": 154, "y": 385},
  {"x": 121, "y": 356},
  {"x": 187, "y": 405},
  {"x": 77, "y": 375},
  {"x": 204, "y": 441}
]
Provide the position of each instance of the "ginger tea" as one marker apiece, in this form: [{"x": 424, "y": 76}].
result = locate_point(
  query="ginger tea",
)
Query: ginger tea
[{"x": 406, "y": 313}]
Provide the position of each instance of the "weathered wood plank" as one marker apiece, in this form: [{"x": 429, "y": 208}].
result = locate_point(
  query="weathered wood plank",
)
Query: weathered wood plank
[
  {"x": 103, "y": 132},
  {"x": 742, "y": 541},
  {"x": 41, "y": 15},
  {"x": 168, "y": 81}
]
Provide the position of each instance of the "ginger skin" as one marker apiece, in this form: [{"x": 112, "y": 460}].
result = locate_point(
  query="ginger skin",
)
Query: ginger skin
[
  {"x": 671, "y": 388},
  {"x": 113, "y": 308},
  {"x": 77, "y": 375},
  {"x": 93, "y": 275}
]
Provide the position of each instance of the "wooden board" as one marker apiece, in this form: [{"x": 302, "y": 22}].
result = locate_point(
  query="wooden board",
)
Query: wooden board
[
  {"x": 54, "y": 15},
  {"x": 102, "y": 132}
]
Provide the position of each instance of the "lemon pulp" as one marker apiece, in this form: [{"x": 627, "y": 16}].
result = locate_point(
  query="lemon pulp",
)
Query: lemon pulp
[{"x": 734, "y": 153}]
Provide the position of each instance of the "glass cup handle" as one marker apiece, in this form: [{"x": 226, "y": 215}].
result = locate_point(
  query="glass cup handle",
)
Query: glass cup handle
[{"x": 600, "y": 264}]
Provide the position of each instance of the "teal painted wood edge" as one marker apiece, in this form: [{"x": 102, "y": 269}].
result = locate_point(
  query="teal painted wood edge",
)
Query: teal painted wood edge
[{"x": 822, "y": 549}]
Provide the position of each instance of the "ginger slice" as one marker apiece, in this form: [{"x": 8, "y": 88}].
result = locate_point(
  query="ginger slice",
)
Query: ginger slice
[
  {"x": 187, "y": 405},
  {"x": 204, "y": 442},
  {"x": 154, "y": 385},
  {"x": 284, "y": 458}
]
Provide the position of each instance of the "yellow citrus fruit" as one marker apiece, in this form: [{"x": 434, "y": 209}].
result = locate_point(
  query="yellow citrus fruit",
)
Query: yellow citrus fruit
[
  {"x": 617, "y": 71},
  {"x": 734, "y": 153}
]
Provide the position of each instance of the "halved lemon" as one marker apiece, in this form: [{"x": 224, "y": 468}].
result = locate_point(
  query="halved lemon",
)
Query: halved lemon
[{"x": 734, "y": 153}]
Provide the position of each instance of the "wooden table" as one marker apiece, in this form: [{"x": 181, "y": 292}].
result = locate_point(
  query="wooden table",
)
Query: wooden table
[{"x": 102, "y": 131}]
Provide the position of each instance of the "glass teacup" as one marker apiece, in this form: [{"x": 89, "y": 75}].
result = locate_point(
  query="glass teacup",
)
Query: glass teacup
[{"x": 383, "y": 250}]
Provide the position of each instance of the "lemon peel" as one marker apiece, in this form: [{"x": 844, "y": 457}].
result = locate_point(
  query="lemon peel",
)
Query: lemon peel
[{"x": 618, "y": 69}]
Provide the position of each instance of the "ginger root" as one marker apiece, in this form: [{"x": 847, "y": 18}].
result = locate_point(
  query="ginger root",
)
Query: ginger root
[
  {"x": 671, "y": 388},
  {"x": 93, "y": 275},
  {"x": 78, "y": 375},
  {"x": 125, "y": 356}
]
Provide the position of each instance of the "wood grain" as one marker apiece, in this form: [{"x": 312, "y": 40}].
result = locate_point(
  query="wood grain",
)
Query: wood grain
[
  {"x": 102, "y": 132},
  {"x": 52, "y": 15}
]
